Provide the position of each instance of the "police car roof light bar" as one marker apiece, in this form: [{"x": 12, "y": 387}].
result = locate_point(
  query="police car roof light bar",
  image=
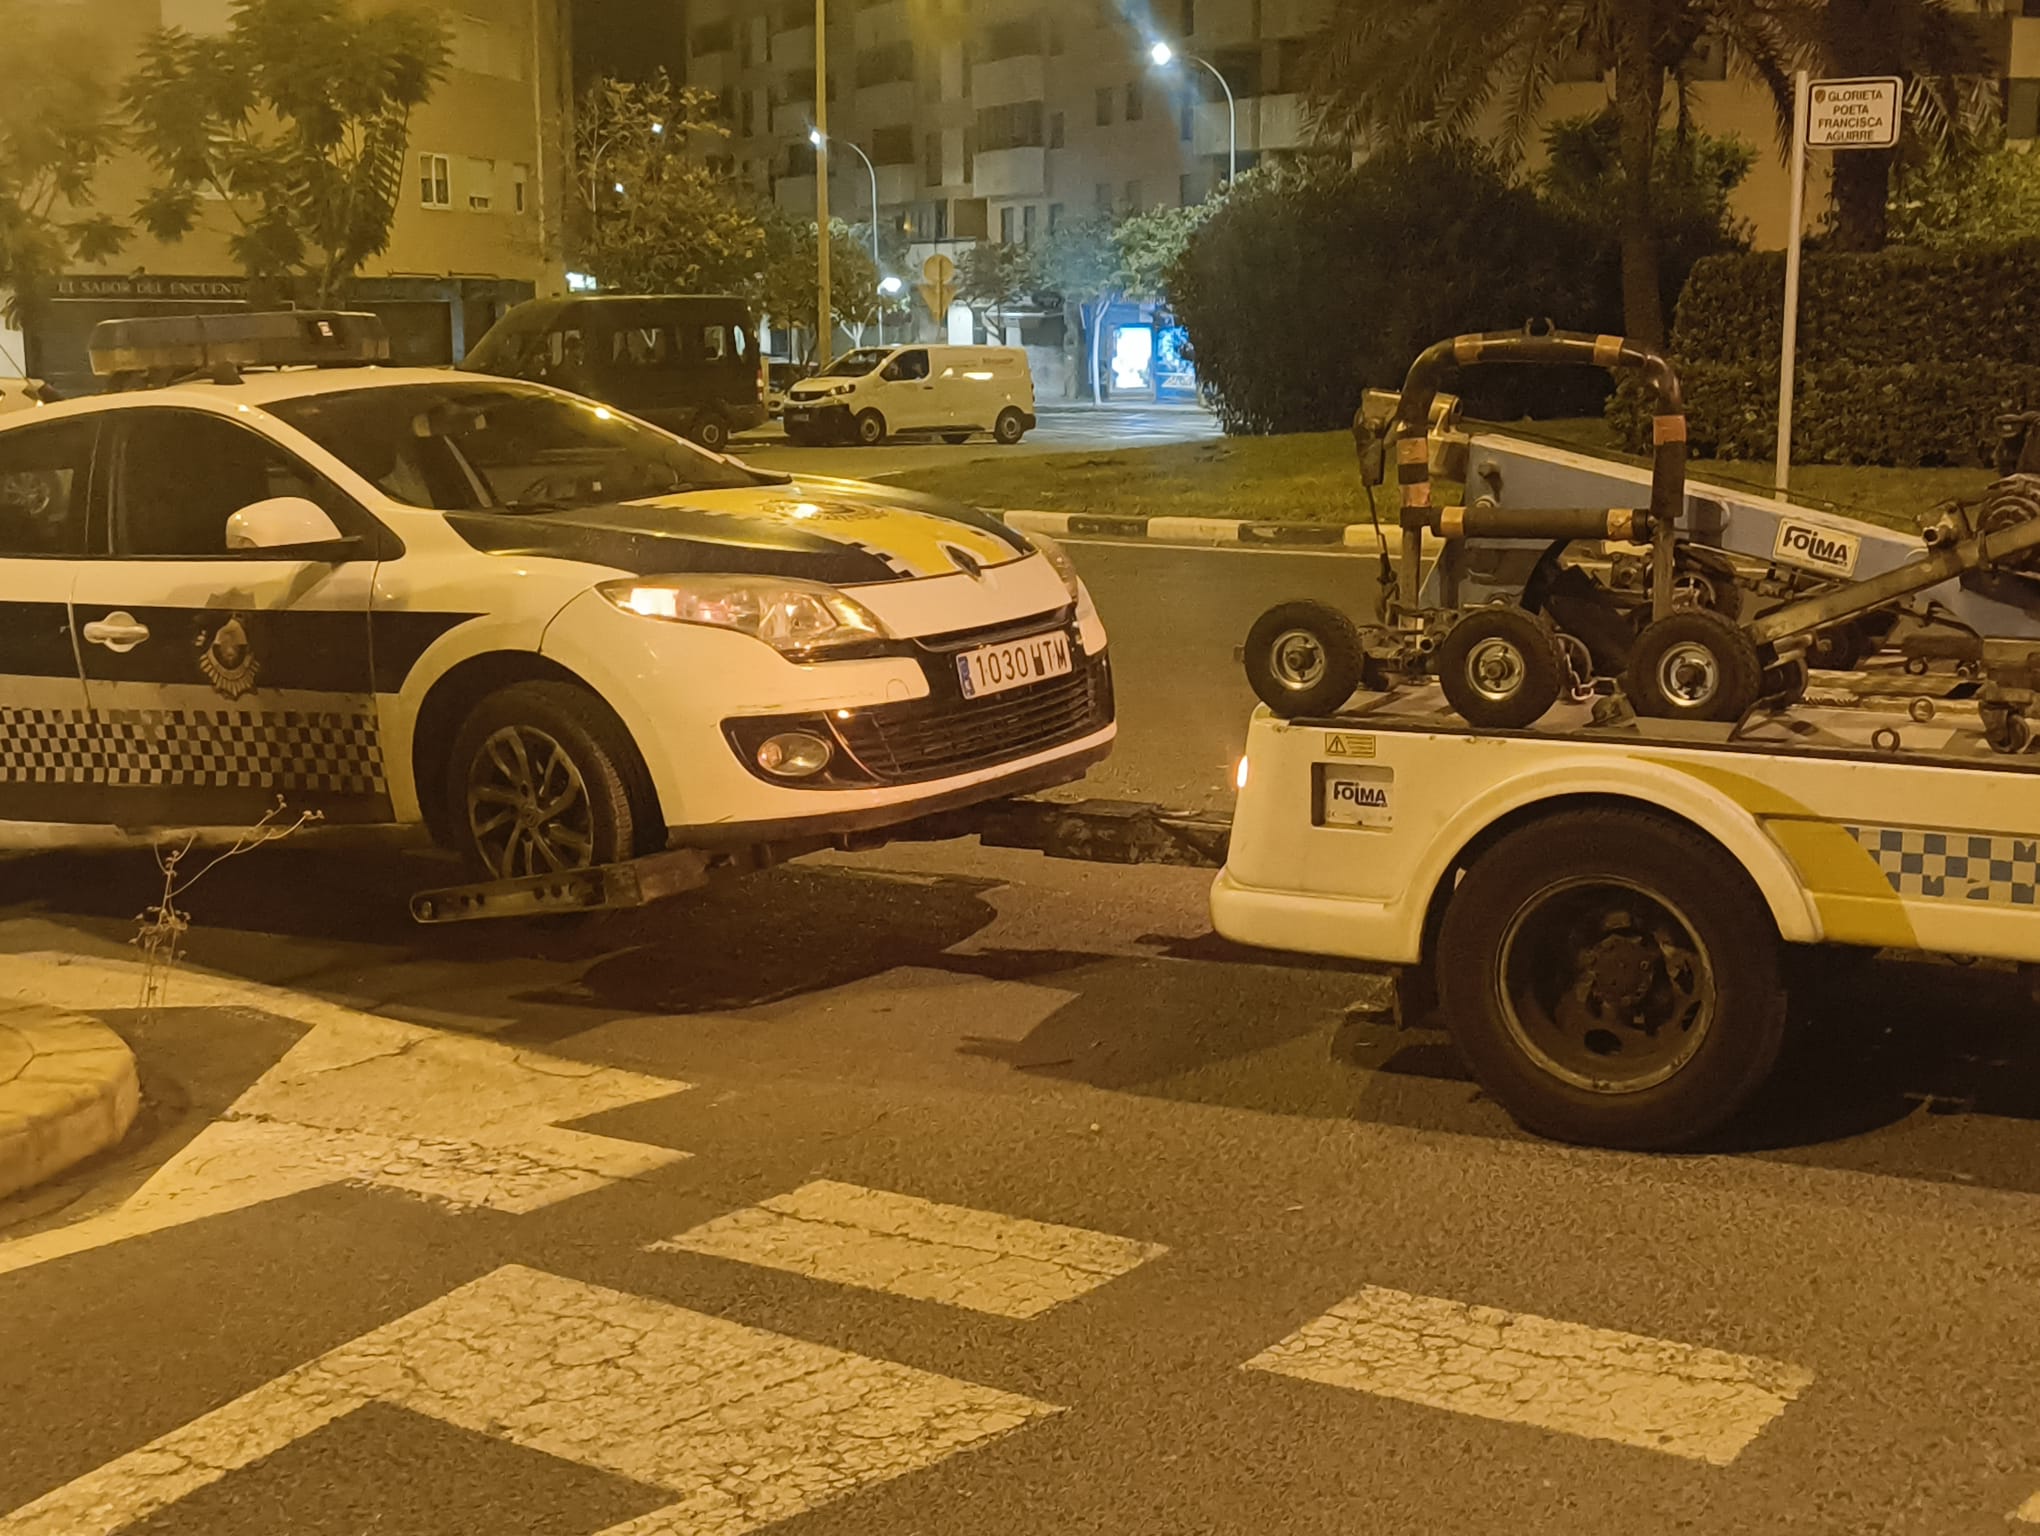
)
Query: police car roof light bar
[{"x": 158, "y": 350}]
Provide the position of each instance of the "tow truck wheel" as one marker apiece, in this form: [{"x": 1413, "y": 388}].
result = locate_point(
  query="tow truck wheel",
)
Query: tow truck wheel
[
  {"x": 1613, "y": 978},
  {"x": 538, "y": 783},
  {"x": 1502, "y": 668},
  {"x": 1304, "y": 658},
  {"x": 1694, "y": 665}
]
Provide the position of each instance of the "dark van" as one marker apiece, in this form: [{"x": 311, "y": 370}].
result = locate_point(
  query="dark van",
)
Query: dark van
[{"x": 685, "y": 362}]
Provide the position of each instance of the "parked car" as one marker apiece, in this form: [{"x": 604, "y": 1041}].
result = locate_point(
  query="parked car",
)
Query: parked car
[
  {"x": 18, "y": 394},
  {"x": 781, "y": 376},
  {"x": 873, "y": 393},
  {"x": 685, "y": 362},
  {"x": 549, "y": 634}
]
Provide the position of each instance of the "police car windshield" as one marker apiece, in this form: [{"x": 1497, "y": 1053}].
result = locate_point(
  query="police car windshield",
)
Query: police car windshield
[
  {"x": 465, "y": 446},
  {"x": 855, "y": 365}
]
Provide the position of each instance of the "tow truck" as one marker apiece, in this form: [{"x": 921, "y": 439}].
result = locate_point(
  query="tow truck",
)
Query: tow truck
[{"x": 1605, "y": 892}]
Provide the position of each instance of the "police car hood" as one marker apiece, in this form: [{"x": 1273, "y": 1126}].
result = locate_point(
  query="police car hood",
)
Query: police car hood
[{"x": 922, "y": 562}]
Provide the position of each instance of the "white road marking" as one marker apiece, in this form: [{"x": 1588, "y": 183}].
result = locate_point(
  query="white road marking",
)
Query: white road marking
[
  {"x": 2029, "y": 1511},
  {"x": 360, "y": 1099},
  {"x": 880, "y": 1241},
  {"x": 1663, "y": 1396},
  {"x": 744, "y": 1427}
]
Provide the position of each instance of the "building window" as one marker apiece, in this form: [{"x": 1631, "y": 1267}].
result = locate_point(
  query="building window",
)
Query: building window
[
  {"x": 970, "y": 154},
  {"x": 435, "y": 181},
  {"x": 1027, "y": 222},
  {"x": 749, "y": 120},
  {"x": 1055, "y": 217},
  {"x": 931, "y": 165},
  {"x": 1006, "y": 223},
  {"x": 1133, "y": 197},
  {"x": 714, "y": 37},
  {"x": 480, "y": 176},
  {"x": 1055, "y": 130},
  {"x": 1189, "y": 18},
  {"x": 1136, "y": 101},
  {"x": 520, "y": 181},
  {"x": 1014, "y": 125},
  {"x": 1186, "y": 126},
  {"x": 1105, "y": 106},
  {"x": 1015, "y": 39},
  {"x": 893, "y": 146},
  {"x": 886, "y": 65},
  {"x": 2022, "y": 109},
  {"x": 1103, "y": 197},
  {"x": 1186, "y": 190}
]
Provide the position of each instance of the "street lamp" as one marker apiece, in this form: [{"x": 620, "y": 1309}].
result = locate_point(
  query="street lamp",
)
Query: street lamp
[
  {"x": 1163, "y": 56},
  {"x": 819, "y": 139}
]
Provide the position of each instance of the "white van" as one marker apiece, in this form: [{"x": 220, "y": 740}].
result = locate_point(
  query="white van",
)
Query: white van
[{"x": 872, "y": 393}]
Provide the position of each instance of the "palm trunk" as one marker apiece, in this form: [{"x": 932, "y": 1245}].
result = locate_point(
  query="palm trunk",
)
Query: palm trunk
[
  {"x": 1639, "y": 107},
  {"x": 1859, "y": 39}
]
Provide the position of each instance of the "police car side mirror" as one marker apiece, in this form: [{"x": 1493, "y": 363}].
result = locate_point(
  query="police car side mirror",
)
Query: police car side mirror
[{"x": 288, "y": 524}]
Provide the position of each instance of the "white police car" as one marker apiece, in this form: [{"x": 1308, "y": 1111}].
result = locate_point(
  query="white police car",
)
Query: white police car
[{"x": 553, "y": 635}]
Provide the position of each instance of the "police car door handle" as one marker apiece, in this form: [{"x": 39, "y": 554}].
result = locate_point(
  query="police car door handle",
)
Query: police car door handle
[{"x": 118, "y": 631}]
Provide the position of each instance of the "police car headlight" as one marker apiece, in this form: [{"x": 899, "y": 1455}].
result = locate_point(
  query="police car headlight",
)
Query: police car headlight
[
  {"x": 1065, "y": 567},
  {"x": 795, "y": 618}
]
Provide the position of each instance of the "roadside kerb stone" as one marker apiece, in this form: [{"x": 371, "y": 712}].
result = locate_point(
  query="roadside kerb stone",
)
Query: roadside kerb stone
[
  {"x": 68, "y": 1090},
  {"x": 1210, "y": 532}
]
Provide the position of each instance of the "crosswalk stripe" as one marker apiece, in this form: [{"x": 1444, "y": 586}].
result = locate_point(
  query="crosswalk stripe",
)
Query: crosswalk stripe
[
  {"x": 1682, "y": 1399},
  {"x": 742, "y": 1426},
  {"x": 907, "y": 1246}
]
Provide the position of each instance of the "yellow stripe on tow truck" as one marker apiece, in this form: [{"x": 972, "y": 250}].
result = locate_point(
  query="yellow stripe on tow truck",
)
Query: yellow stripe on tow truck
[{"x": 1856, "y": 903}]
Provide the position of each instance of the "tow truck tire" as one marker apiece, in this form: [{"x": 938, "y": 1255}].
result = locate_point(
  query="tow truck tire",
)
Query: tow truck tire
[
  {"x": 1612, "y": 977},
  {"x": 554, "y": 753},
  {"x": 1693, "y": 665},
  {"x": 1304, "y": 658},
  {"x": 1501, "y": 668}
]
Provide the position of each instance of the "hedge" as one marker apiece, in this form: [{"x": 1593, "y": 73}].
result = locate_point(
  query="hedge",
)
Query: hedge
[{"x": 1905, "y": 357}]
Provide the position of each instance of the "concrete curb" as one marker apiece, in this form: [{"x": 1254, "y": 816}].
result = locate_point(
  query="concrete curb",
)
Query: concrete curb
[
  {"x": 1209, "y": 532},
  {"x": 68, "y": 1089}
]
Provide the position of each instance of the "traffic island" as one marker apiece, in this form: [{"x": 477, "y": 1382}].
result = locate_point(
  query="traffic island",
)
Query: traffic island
[{"x": 68, "y": 1090}]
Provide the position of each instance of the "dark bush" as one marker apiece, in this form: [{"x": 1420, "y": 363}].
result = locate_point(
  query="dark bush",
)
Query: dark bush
[
  {"x": 1308, "y": 286},
  {"x": 1906, "y": 357}
]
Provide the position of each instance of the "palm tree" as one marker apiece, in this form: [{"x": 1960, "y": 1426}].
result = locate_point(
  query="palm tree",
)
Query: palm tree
[
  {"x": 1387, "y": 71},
  {"x": 1951, "y": 100}
]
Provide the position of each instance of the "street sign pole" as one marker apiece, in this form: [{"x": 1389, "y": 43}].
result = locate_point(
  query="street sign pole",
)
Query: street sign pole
[
  {"x": 1788, "y": 354},
  {"x": 826, "y": 320},
  {"x": 1826, "y": 114}
]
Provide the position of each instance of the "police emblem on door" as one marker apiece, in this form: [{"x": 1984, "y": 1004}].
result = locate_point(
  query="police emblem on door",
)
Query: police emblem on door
[{"x": 227, "y": 658}]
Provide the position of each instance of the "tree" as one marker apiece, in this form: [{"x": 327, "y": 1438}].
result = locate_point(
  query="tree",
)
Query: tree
[
  {"x": 56, "y": 130},
  {"x": 994, "y": 275},
  {"x": 1425, "y": 67},
  {"x": 1079, "y": 263},
  {"x": 1951, "y": 97},
  {"x": 1985, "y": 197},
  {"x": 1151, "y": 243},
  {"x": 297, "y": 118},
  {"x": 655, "y": 215},
  {"x": 787, "y": 286}
]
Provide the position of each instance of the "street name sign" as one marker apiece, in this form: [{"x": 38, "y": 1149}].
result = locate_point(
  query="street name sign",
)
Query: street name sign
[{"x": 1854, "y": 114}]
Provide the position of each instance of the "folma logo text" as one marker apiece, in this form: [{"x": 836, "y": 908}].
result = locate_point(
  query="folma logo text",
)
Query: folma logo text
[
  {"x": 1817, "y": 549},
  {"x": 1372, "y": 796}
]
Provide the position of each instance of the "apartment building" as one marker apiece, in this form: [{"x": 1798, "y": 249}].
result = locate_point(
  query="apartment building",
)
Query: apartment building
[{"x": 479, "y": 226}]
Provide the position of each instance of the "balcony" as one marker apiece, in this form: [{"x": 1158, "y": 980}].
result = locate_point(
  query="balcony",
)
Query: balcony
[
  {"x": 796, "y": 47},
  {"x": 1011, "y": 173},
  {"x": 792, "y": 119},
  {"x": 1266, "y": 122},
  {"x": 897, "y": 101},
  {"x": 1006, "y": 80}
]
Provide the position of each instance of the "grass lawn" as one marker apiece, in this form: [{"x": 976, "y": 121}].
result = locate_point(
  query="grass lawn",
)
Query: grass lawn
[{"x": 1313, "y": 477}]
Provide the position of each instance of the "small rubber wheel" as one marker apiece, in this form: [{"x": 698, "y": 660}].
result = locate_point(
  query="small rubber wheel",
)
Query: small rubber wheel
[
  {"x": 953, "y": 438},
  {"x": 1612, "y": 977},
  {"x": 1501, "y": 668},
  {"x": 543, "y": 779},
  {"x": 2005, "y": 729},
  {"x": 1693, "y": 665},
  {"x": 711, "y": 431},
  {"x": 870, "y": 429},
  {"x": 1304, "y": 658},
  {"x": 1010, "y": 427},
  {"x": 1785, "y": 683},
  {"x": 1840, "y": 649}
]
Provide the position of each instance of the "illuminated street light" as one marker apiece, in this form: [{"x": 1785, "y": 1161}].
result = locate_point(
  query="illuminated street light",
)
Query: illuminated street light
[
  {"x": 820, "y": 140},
  {"x": 1163, "y": 56},
  {"x": 891, "y": 287}
]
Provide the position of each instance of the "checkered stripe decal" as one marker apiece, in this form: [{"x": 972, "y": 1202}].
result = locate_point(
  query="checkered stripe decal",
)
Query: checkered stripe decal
[
  {"x": 1954, "y": 866},
  {"x": 210, "y": 749}
]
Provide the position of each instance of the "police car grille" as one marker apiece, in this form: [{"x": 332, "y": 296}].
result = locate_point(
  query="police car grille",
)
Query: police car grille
[{"x": 929, "y": 739}]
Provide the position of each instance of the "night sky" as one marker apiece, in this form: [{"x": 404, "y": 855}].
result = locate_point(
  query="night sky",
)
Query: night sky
[{"x": 629, "y": 38}]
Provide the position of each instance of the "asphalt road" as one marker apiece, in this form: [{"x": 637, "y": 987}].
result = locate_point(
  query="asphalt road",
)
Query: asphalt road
[{"x": 951, "y": 1192}]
